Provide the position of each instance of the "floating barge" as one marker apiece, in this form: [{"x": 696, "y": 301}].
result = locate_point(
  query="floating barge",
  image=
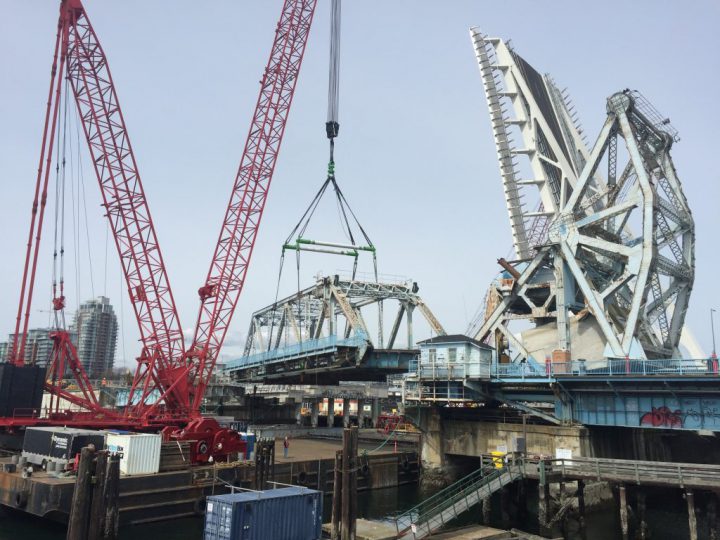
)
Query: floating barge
[{"x": 172, "y": 494}]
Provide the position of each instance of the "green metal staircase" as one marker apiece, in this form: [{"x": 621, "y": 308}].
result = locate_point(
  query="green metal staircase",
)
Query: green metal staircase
[{"x": 433, "y": 513}]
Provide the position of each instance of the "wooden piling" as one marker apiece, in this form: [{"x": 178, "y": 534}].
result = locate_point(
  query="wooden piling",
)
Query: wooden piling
[
  {"x": 486, "y": 510},
  {"x": 712, "y": 516},
  {"x": 97, "y": 507},
  {"x": 692, "y": 518},
  {"x": 111, "y": 497},
  {"x": 354, "y": 464},
  {"x": 543, "y": 508},
  {"x": 345, "y": 511},
  {"x": 521, "y": 500},
  {"x": 82, "y": 497},
  {"x": 348, "y": 512},
  {"x": 543, "y": 500},
  {"x": 581, "y": 508},
  {"x": 336, "y": 499},
  {"x": 642, "y": 519},
  {"x": 264, "y": 462},
  {"x": 623, "y": 511},
  {"x": 504, "y": 507}
]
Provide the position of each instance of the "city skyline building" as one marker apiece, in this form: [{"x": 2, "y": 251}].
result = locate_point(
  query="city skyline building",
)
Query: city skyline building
[
  {"x": 37, "y": 348},
  {"x": 96, "y": 327}
]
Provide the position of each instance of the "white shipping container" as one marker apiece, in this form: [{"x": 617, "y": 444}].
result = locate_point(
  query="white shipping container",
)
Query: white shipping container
[{"x": 139, "y": 452}]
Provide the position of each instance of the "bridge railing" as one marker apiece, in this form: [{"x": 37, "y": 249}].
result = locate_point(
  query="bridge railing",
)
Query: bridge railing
[
  {"x": 518, "y": 370},
  {"x": 602, "y": 469},
  {"x": 438, "y": 390},
  {"x": 296, "y": 349},
  {"x": 450, "y": 370},
  {"x": 612, "y": 367}
]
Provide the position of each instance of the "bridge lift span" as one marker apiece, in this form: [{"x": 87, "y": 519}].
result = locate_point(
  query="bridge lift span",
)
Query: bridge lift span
[{"x": 320, "y": 334}]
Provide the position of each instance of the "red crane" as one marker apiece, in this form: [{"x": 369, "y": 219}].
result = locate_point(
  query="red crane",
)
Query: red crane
[
  {"x": 228, "y": 268},
  {"x": 164, "y": 368}
]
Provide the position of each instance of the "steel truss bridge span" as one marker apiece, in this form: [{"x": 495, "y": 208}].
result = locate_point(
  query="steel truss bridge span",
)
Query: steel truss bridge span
[{"x": 321, "y": 335}]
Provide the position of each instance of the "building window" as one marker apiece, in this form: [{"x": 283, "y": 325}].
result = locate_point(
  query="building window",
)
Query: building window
[
  {"x": 452, "y": 354},
  {"x": 432, "y": 353}
]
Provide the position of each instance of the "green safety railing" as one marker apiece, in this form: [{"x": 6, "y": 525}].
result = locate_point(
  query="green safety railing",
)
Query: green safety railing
[{"x": 428, "y": 514}]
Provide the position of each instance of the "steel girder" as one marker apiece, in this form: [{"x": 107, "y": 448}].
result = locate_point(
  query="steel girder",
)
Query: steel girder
[
  {"x": 526, "y": 106},
  {"x": 635, "y": 284}
]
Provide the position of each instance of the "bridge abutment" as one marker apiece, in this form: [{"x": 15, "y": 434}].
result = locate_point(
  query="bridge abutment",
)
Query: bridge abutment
[{"x": 450, "y": 432}]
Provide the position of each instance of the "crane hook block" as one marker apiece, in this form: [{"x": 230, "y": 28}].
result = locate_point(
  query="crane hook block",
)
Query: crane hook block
[
  {"x": 332, "y": 129},
  {"x": 58, "y": 303}
]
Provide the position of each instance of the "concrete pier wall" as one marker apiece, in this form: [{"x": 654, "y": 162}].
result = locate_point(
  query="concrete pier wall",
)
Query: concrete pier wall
[
  {"x": 467, "y": 438},
  {"x": 444, "y": 435}
]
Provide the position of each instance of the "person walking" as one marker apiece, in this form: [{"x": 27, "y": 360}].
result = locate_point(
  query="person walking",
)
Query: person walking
[{"x": 286, "y": 445}]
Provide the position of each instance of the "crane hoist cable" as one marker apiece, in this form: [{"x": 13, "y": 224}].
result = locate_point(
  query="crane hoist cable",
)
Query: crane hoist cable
[
  {"x": 296, "y": 240},
  {"x": 58, "y": 266},
  {"x": 332, "y": 129},
  {"x": 332, "y": 126}
]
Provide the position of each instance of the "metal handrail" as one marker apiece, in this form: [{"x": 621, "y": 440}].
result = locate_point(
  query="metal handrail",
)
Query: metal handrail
[
  {"x": 425, "y": 515},
  {"x": 444, "y": 499},
  {"x": 613, "y": 367}
]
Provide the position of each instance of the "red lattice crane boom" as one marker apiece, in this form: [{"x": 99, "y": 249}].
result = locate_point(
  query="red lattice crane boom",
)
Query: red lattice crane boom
[
  {"x": 229, "y": 265},
  {"x": 126, "y": 207},
  {"x": 175, "y": 379},
  {"x": 79, "y": 59}
]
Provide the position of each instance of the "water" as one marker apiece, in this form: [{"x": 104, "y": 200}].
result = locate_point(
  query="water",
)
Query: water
[{"x": 666, "y": 517}]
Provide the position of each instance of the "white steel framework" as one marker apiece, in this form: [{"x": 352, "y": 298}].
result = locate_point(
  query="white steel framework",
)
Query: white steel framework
[
  {"x": 611, "y": 239},
  {"x": 334, "y": 307}
]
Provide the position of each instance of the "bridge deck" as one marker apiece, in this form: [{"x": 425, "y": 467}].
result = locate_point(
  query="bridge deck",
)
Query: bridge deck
[{"x": 322, "y": 361}]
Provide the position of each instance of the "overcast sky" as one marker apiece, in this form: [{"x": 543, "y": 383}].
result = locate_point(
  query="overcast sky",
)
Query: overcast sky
[{"x": 415, "y": 156}]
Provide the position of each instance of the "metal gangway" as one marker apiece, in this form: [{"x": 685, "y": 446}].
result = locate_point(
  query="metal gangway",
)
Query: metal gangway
[{"x": 435, "y": 512}]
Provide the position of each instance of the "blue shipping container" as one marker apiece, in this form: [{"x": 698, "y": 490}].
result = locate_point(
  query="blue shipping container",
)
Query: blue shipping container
[{"x": 291, "y": 513}]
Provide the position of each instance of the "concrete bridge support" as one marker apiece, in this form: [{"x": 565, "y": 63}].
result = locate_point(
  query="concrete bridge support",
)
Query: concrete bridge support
[
  {"x": 432, "y": 448},
  {"x": 298, "y": 414},
  {"x": 330, "y": 412},
  {"x": 361, "y": 414},
  {"x": 375, "y": 411},
  {"x": 346, "y": 412},
  {"x": 314, "y": 413}
]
